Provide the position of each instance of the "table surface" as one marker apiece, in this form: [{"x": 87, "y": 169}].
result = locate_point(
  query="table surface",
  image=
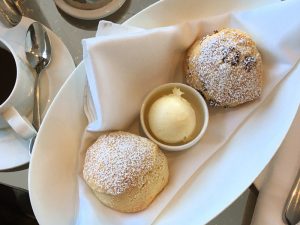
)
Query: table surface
[{"x": 72, "y": 31}]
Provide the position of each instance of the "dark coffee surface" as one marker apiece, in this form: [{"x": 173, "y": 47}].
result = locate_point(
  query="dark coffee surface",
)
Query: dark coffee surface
[{"x": 8, "y": 74}]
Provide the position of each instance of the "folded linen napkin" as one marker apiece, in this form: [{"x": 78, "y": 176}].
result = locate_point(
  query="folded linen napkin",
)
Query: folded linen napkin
[
  {"x": 279, "y": 178},
  {"x": 123, "y": 64}
]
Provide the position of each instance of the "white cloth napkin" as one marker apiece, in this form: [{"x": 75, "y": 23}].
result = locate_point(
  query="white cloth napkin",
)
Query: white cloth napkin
[
  {"x": 123, "y": 64},
  {"x": 278, "y": 179}
]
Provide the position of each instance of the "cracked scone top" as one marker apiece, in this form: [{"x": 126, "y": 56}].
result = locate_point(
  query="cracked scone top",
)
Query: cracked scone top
[
  {"x": 125, "y": 171},
  {"x": 225, "y": 67}
]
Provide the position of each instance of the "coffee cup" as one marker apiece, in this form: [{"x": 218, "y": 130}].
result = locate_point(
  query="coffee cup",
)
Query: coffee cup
[{"x": 16, "y": 92}]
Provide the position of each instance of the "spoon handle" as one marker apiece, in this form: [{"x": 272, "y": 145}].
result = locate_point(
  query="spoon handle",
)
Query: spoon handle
[
  {"x": 291, "y": 212},
  {"x": 36, "y": 117}
]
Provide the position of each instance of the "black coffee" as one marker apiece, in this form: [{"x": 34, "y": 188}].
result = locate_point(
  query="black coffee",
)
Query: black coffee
[{"x": 8, "y": 74}]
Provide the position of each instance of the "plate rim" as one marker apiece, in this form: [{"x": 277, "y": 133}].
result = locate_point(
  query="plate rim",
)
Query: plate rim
[
  {"x": 92, "y": 14},
  {"x": 72, "y": 78}
]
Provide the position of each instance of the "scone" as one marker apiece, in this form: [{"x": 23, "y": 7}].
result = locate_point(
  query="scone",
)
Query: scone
[
  {"x": 125, "y": 171},
  {"x": 225, "y": 67}
]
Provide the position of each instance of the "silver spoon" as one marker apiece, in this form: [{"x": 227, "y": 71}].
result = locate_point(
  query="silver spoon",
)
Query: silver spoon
[
  {"x": 38, "y": 54},
  {"x": 291, "y": 212}
]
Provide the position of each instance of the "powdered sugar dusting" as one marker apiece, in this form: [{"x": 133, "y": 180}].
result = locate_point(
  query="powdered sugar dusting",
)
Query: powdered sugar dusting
[
  {"x": 226, "y": 68},
  {"x": 118, "y": 161}
]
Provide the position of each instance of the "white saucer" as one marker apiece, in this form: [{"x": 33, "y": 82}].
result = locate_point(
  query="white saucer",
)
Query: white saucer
[
  {"x": 93, "y": 14},
  {"x": 13, "y": 149}
]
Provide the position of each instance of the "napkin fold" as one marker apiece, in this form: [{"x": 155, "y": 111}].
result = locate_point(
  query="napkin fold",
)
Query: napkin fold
[
  {"x": 124, "y": 63},
  {"x": 278, "y": 179}
]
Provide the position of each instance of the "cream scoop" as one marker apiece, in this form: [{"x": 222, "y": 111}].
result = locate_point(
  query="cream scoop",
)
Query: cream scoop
[{"x": 172, "y": 118}]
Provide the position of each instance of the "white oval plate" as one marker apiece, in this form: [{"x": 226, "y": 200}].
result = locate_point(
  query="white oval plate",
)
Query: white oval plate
[
  {"x": 92, "y": 14},
  {"x": 13, "y": 149},
  {"x": 215, "y": 185}
]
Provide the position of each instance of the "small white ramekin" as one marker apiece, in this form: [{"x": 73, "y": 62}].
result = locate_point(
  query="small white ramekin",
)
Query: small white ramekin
[{"x": 192, "y": 96}]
